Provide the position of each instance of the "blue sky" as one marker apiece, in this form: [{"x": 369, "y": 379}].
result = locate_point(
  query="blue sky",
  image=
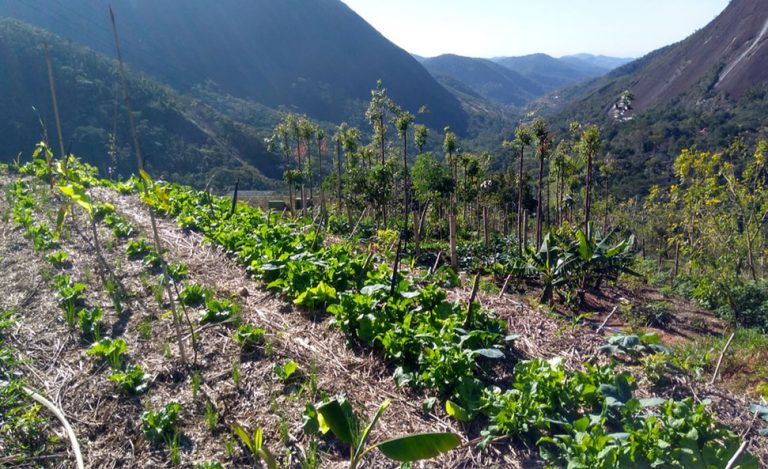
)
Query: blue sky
[{"x": 490, "y": 28}]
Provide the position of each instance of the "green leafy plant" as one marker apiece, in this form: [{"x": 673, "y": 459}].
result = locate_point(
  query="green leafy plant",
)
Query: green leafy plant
[
  {"x": 194, "y": 295},
  {"x": 219, "y": 310},
  {"x": 314, "y": 297},
  {"x": 121, "y": 227},
  {"x": 159, "y": 426},
  {"x": 337, "y": 416},
  {"x": 211, "y": 415},
  {"x": 89, "y": 320},
  {"x": 178, "y": 272},
  {"x": 255, "y": 445},
  {"x": 138, "y": 249},
  {"x": 58, "y": 259},
  {"x": 249, "y": 336},
  {"x": 131, "y": 381},
  {"x": 111, "y": 350},
  {"x": 286, "y": 370},
  {"x": 70, "y": 297},
  {"x": 634, "y": 345}
]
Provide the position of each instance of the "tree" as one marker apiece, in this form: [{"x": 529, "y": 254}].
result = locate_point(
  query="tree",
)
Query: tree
[
  {"x": 522, "y": 140},
  {"x": 420, "y": 137},
  {"x": 306, "y": 135},
  {"x": 431, "y": 182},
  {"x": 403, "y": 121},
  {"x": 541, "y": 133},
  {"x": 449, "y": 147},
  {"x": 338, "y": 138},
  {"x": 379, "y": 108},
  {"x": 590, "y": 145},
  {"x": 319, "y": 139}
]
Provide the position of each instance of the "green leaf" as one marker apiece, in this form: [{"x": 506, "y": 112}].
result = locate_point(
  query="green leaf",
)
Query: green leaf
[
  {"x": 372, "y": 289},
  {"x": 652, "y": 402},
  {"x": 238, "y": 430},
  {"x": 78, "y": 195},
  {"x": 369, "y": 428},
  {"x": 63, "y": 210},
  {"x": 339, "y": 421},
  {"x": 258, "y": 438},
  {"x": 419, "y": 446},
  {"x": 267, "y": 457},
  {"x": 457, "y": 412},
  {"x": 489, "y": 353}
]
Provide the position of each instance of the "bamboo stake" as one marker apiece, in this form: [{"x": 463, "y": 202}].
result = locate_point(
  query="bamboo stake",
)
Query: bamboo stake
[
  {"x": 720, "y": 360},
  {"x": 732, "y": 462},
  {"x": 56, "y": 114},
  {"x": 504, "y": 287},
  {"x": 140, "y": 163},
  {"x": 608, "y": 318}
]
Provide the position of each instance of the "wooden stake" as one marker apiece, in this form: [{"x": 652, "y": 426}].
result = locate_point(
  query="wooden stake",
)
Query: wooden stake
[
  {"x": 720, "y": 360},
  {"x": 56, "y": 114},
  {"x": 140, "y": 163},
  {"x": 504, "y": 288},
  {"x": 475, "y": 287}
]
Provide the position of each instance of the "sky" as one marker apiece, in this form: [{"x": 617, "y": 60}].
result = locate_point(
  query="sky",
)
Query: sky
[{"x": 494, "y": 28}]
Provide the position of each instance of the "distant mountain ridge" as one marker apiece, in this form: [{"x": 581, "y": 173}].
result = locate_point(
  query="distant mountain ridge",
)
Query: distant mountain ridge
[
  {"x": 517, "y": 81},
  {"x": 489, "y": 79},
  {"x": 312, "y": 56}
]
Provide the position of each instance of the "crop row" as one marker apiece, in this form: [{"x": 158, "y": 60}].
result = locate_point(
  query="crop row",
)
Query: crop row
[{"x": 585, "y": 419}]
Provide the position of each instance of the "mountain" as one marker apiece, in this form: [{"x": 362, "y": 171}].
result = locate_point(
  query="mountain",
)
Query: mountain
[
  {"x": 488, "y": 79},
  {"x": 551, "y": 73},
  {"x": 702, "y": 92},
  {"x": 182, "y": 139},
  {"x": 313, "y": 56},
  {"x": 600, "y": 61},
  {"x": 725, "y": 59}
]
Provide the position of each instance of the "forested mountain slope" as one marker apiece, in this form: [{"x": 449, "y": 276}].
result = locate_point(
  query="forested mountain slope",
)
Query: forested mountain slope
[
  {"x": 182, "y": 139},
  {"x": 312, "y": 56}
]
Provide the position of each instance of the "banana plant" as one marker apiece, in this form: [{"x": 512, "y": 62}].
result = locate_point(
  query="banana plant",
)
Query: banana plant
[
  {"x": 337, "y": 417},
  {"x": 255, "y": 445},
  {"x": 552, "y": 264}
]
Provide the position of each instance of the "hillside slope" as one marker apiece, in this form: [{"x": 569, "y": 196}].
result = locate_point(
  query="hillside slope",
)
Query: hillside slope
[
  {"x": 490, "y": 80},
  {"x": 317, "y": 56},
  {"x": 702, "y": 92},
  {"x": 182, "y": 139},
  {"x": 725, "y": 59}
]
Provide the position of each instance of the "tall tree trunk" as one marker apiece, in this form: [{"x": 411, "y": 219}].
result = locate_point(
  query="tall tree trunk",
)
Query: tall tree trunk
[
  {"x": 485, "y": 225},
  {"x": 301, "y": 169},
  {"x": 338, "y": 174},
  {"x": 525, "y": 227},
  {"x": 452, "y": 233},
  {"x": 587, "y": 199},
  {"x": 309, "y": 170},
  {"x": 520, "y": 220},
  {"x": 406, "y": 185},
  {"x": 539, "y": 201},
  {"x": 320, "y": 175}
]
